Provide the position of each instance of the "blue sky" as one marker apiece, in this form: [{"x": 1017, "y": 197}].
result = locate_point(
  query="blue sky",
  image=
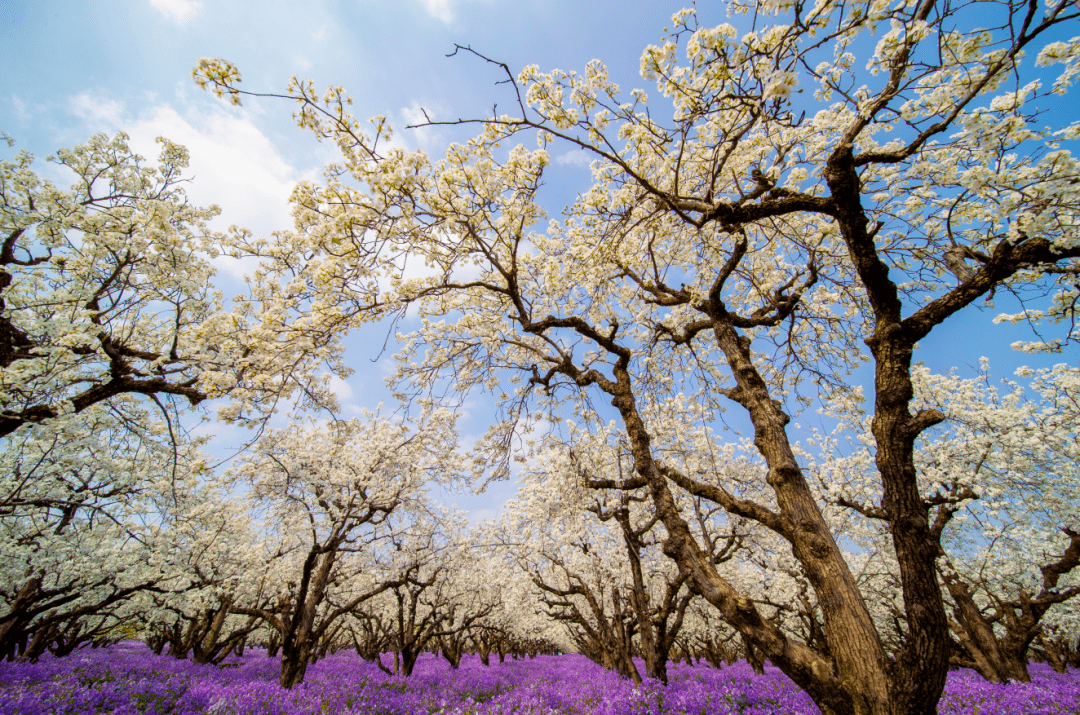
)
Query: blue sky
[{"x": 75, "y": 68}]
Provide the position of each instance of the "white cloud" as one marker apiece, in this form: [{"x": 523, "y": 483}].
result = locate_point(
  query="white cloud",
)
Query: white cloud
[
  {"x": 427, "y": 138},
  {"x": 575, "y": 157},
  {"x": 22, "y": 112},
  {"x": 233, "y": 164},
  {"x": 179, "y": 11},
  {"x": 101, "y": 113},
  {"x": 439, "y": 9},
  {"x": 340, "y": 387},
  {"x": 414, "y": 114}
]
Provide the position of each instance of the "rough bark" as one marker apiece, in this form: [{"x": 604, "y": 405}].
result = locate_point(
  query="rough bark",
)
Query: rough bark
[
  {"x": 1003, "y": 658},
  {"x": 857, "y": 684},
  {"x": 657, "y": 626}
]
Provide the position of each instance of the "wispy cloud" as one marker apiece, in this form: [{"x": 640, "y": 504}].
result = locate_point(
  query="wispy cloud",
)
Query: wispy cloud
[
  {"x": 341, "y": 389},
  {"x": 575, "y": 157},
  {"x": 426, "y": 138},
  {"x": 179, "y": 11},
  {"x": 101, "y": 113},
  {"x": 24, "y": 112},
  {"x": 439, "y": 9}
]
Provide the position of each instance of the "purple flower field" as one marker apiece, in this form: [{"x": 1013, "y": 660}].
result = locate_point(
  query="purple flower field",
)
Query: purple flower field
[{"x": 129, "y": 680}]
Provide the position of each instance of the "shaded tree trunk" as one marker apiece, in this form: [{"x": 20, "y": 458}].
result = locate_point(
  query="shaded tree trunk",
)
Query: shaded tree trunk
[
  {"x": 451, "y": 649},
  {"x": 1004, "y": 658}
]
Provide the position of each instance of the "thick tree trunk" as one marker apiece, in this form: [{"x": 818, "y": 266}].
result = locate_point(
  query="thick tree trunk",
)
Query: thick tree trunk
[
  {"x": 13, "y": 626},
  {"x": 855, "y": 679},
  {"x": 294, "y": 665},
  {"x": 754, "y": 657},
  {"x": 483, "y": 649},
  {"x": 654, "y": 653},
  {"x": 68, "y": 639},
  {"x": 408, "y": 660},
  {"x": 451, "y": 650},
  {"x": 156, "y": 643},
  {"x": 206, "y": 648},
  {"x": 39, "y": 643},
  {"x": 180, "y": 639},
  {"x": 297, "y": 643},
  {"x": 976, "y": 634},
  {"x": 919, "y": 675},
  {"x": 621, "y": 642}
]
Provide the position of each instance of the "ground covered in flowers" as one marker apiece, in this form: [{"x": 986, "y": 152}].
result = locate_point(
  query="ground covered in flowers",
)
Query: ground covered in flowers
[{"x": 129, "y": 680}]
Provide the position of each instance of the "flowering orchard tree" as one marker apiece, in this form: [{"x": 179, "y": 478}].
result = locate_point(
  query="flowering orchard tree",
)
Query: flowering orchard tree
[
  {"x": 753, "y": 559},
  {"x": 105, "y": 298},
  {"x": 105, "y": 291},
  {"x": 1057, "y": 643},
  {"x": 91, "y": 508},
  {"x": 1001, "y": 478},
  {"x": 464, "y": 599},
  {"x": 212, "y": 551},
  {"x": 327, "y": 497},
  {"x": 578, "y": 571},
  {"x": 707, "y": 637},
  {"x": 516, "y": 624},
  {"x": 740, "y": 249},
  {"x": 594, "y": 553},
  {"x": 437, "y": 600}
]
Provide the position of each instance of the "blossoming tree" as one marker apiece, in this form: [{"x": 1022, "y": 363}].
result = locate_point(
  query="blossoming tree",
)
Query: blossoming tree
[
  {"x": 92, "y": 506},
  {"x": 105, "y": 290},
  {"x": 740, "y": 249},
  {"x": 1000, "y": 475},
  {"x": 327, "y": 498}
]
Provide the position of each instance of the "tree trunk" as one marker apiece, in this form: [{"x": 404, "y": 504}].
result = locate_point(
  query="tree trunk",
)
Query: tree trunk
[
  {"x": 1058, "y": 653},
  {"x": 293, "y": 667},
  {"x": 483, "y": 649},
  {"x": 976, "y": 635},
  {"x": 856, "y": 679},
  {"x": 753, "y": 657},
  {"x": 207, "y": 647},
  {"x": 156, "y": 643},
  {"x": 408, "y": 660},
  {"x": 297, "y": 646},
  {"x": 12, "y": 628},
  {"x": 180, "y": 639},
  {"x": 451, "y": 650},
  {"x": 917, "y": 679},
  {"x": 39, "y": 643}
]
